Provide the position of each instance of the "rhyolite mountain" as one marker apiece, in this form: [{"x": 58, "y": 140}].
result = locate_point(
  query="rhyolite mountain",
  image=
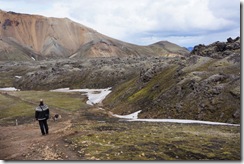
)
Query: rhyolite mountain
[{"x": 26, "y": 37}]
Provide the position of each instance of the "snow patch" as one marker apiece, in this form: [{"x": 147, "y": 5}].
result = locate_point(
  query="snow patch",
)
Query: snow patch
[
  {"x": 18, "y": 77},
  {"x": 61, "y": 90},
  {"x": 97, "y": 96},
  {"x": 94, "y": 96},
  {"x": 9, "y": 89},
  {"x": 134, "y": 117},
  {"x": 129, "y": 116}
]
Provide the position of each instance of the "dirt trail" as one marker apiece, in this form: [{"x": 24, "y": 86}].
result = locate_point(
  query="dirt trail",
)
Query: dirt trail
[{"x": 25, "y": 142}]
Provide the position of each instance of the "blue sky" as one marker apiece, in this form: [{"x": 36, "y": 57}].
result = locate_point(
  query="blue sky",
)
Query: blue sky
[{"x": 143, "y": 22}]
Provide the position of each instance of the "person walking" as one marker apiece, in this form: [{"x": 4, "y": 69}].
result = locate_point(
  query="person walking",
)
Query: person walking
[{"x": 42, "y": 115}]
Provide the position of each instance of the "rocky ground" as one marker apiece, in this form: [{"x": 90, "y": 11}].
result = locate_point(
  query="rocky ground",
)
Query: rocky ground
[
  {"x": 92, "y": 73},
  {"x": 24, "y": 142}
]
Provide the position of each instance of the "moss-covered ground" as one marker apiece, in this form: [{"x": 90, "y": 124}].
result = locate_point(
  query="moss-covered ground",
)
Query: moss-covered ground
[{"x": 112, "y": 139}]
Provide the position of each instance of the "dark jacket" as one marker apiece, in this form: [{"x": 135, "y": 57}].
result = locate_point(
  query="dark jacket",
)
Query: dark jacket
[{"x": 42, "y": 112}]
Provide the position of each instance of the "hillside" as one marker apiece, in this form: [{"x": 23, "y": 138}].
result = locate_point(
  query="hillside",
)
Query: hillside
[
  {"x": 39, "y": 37},
  {"x": 199, "y": 87}
]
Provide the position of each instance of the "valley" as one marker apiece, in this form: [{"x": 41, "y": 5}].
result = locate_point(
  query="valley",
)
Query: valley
[{"x": 161, "y": 81}]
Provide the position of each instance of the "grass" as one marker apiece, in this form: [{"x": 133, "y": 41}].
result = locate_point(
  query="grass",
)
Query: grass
[
  {"x": 21, "y": 104},
  {"x": 68, "y": 101},
  {"x": 12, "y": 109}
]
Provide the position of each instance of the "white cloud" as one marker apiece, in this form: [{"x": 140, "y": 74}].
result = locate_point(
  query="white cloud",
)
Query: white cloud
[{"x": 144, "y": 21}]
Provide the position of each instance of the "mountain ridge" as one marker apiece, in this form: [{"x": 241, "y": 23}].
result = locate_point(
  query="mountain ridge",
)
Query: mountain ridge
[{"x": 49, "y": 37}]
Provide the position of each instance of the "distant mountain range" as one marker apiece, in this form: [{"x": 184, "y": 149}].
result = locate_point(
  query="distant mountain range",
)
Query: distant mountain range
[
  {"x": 28, "y": 37},
  {"x": 190, "y": 48}
]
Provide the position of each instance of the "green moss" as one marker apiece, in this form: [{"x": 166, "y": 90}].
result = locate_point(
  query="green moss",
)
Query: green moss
[
  {"x": 156, "y": 141},
  {"x": 118, "y": 98},
  {"x": 206, "y": 66},
  {"x": 134, "y": 94},
  {"x": 203, "y": 64},
  {"x": 164, "y": 80}
]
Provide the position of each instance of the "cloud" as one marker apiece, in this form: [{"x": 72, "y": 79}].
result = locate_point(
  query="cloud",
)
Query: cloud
[{"x": 145, "y": 21}]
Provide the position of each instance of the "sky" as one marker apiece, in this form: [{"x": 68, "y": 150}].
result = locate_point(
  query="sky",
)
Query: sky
[{"x": 144, "y": 22}]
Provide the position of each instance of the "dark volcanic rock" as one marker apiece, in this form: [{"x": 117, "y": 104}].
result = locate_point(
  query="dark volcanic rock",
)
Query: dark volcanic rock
[{"x": 218, "y": 49}]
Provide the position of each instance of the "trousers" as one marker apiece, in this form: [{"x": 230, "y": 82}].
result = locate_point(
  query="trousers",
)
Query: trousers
[{"x": 43, "y": 126}]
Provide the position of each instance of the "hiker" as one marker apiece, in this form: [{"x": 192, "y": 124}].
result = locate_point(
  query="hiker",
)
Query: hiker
[{"x": 42, "y": 115}]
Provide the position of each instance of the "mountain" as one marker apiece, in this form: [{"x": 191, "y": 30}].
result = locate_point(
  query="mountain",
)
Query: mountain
[
  {"x": 37, "y": 37},
  {"x": 47, "y": 37},
  {"x": 168, "y": 49}
]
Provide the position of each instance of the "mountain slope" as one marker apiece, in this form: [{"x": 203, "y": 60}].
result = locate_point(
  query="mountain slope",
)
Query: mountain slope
[
  {"x": 62, "y": 38},
  {"x": 10, "y": 50},
  {"x": 108, "y": 47},
  {"x": 46, "y": 36},
  {"x": 197, "y": 87}
]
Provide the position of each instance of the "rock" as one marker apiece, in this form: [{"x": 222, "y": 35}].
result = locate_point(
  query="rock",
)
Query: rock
[
  {"x": 220, "y": 46},
  {"x": 236, "y": 92},
  {"x": 237, "y": 114},
  {"x": 230, "y": 40}
]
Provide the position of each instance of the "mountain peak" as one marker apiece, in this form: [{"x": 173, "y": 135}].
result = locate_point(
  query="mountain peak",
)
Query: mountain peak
[{"x": 166, "y": 47}]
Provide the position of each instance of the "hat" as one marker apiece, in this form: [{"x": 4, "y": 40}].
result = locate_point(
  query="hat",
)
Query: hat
[{"x": 41, "y": 100}]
